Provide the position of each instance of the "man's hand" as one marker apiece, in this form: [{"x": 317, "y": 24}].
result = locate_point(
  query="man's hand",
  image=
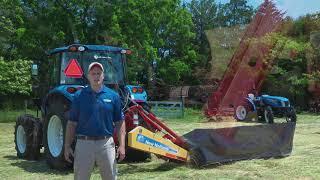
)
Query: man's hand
[
  {"x": 68, "y": 152},
  {"x": 121, "y": 153},
  {"x": 121, "y": 128}
]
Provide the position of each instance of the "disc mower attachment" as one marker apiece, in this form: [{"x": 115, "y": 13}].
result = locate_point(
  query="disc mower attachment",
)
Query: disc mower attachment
[
  {"x": 202, "y": 147},
  {"x": 145, "y": 140},
  {"x": 210, "y": 146}
]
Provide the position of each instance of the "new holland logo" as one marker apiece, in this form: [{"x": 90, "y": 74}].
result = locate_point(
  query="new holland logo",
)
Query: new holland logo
[{"x": 148, "y": 141}]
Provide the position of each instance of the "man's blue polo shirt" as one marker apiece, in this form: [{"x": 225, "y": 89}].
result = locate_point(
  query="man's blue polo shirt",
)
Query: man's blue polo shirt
[{"x": 95, "y": 113}]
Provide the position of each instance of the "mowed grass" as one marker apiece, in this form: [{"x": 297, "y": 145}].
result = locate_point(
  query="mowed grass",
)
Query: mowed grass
[{"x": 304, "y": 162}]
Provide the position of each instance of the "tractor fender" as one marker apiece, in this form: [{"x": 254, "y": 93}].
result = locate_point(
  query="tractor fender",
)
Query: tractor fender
[
  {"x": 252, "y": 104},
  {"x": 57, "y": 93},
  {"x": 50, "y": 97}
]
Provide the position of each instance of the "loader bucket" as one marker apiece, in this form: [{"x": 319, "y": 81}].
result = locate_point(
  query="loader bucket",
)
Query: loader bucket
[{"x": 210, "y": 146}]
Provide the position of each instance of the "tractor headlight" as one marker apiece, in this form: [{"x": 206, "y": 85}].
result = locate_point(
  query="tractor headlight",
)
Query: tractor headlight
[
  {"x": 285, "y": 103},
  {"x": 81, "y": 48}
]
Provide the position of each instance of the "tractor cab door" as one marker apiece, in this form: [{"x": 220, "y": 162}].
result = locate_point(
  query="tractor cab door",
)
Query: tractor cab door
[{"x": 53, "y": 71}]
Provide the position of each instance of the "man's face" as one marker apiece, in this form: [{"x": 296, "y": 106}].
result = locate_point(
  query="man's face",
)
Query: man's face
[{"x": 95, "y": 76}]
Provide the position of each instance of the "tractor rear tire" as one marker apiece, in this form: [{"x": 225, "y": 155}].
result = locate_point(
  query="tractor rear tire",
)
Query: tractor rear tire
[
  {"x": 54, "y": 134},
  {"x": 242, "y": 110},
  {"x": 267, "y": 115},
  {"x": 28, "y": 137},
  {"x": 291, "y": 115}
]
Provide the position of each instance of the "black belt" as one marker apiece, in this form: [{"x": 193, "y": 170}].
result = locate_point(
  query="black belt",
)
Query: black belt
[{"x": 93, "y": 138}]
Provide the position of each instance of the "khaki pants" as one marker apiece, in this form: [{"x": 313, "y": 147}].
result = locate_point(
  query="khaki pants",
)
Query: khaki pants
[{"x": 90, "y": 152}]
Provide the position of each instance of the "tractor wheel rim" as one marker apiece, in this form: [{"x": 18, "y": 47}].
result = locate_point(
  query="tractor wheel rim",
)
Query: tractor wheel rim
[
  {"x": 21, "y": 139},
  {"x": 266, "y": 116},
  {"x": 55, "y": 136},
  {"x": 241, "y": 112},
  {"x": 289, "y": 119}
]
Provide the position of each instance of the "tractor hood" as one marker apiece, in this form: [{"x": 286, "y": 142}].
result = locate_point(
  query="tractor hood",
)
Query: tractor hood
[{"x": 275, "y": 98}]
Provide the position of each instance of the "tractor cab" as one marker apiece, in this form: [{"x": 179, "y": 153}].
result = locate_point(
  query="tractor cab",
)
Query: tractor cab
[
  {"x": 68, "y": 68},
  {"x": 70, "y": 64}
]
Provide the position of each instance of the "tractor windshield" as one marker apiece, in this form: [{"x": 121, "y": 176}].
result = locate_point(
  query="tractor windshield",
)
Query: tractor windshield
[{"x": 112, "y": 62}]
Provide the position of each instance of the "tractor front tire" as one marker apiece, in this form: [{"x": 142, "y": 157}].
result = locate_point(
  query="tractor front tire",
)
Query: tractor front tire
[
  {"x": 267, "y": 115},
  {"x": 54, "y": 134},
  {"x": 28, "y": 137},
  {"x": 291, "y": 115},
  {"x": 242, "y": 110}
]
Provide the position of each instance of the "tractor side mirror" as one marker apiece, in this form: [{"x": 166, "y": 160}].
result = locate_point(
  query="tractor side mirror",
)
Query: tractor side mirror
[{"x": 34, "y": 69}]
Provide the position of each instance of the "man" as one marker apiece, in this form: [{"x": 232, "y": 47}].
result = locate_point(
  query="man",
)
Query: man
[{"x": 93, "y": 115}]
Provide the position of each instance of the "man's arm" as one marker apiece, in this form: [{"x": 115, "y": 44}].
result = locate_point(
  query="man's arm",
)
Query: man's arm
[
  {"x": 70, "y": 134},
  {"x": 121, "y": 129}
]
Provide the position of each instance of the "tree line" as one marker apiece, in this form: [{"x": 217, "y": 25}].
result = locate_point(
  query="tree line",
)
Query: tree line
[{"x": 168, "y": 32}]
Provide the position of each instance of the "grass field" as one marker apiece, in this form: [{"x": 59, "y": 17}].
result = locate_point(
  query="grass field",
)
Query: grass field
[
  {"x": 10, "y": 116},
  {"x": 304, "y": 163}
]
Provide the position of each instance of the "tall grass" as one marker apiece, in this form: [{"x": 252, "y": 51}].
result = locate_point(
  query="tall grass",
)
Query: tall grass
[{"x": 11, "y": 115}]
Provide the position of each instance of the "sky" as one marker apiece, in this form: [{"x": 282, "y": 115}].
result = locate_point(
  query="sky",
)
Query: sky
[{"x": 293, "y": 8}]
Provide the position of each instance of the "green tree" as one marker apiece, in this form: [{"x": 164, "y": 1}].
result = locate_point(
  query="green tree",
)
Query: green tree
[
  {"x": 11, "y": 26},
  {"x": 204, "y": 16},
  {"x": 236, "y": 12},
  {"x": 156, "y": 30},
  {"x": 302, "y": 28},
  {"x": 160, "y": 30},
  {"x": 15, "y": 77},
  {"x": 208, "y": 15},
  {"x": 288, "y": 75}
]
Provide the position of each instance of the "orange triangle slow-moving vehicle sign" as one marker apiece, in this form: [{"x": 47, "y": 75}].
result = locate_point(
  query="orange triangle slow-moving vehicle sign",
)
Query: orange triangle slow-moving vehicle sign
[{"x": 73, "y": 69}]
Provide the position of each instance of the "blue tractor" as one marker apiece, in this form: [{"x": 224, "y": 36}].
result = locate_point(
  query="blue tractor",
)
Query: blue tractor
[
  {"x": 265, "y": 108},
  {"x": 66, "y": 69}
]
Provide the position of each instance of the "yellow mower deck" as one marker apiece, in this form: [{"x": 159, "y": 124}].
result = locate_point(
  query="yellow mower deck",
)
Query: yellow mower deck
[{"x": 142, "y": 139}]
